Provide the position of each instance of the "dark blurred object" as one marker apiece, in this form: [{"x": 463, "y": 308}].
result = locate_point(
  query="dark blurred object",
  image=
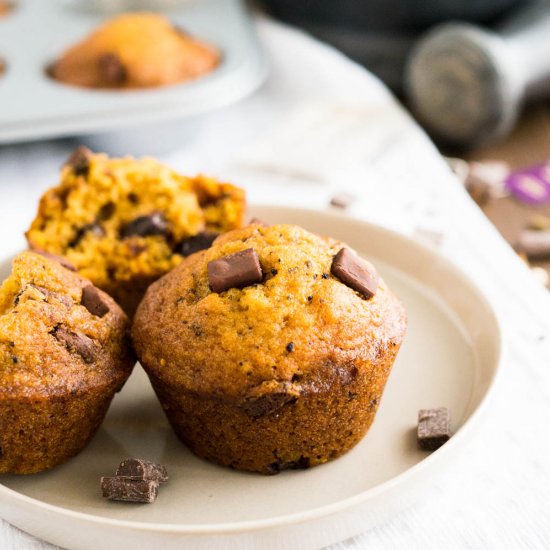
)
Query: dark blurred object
[
  {"x": 380, "y": 33},
  {"x": 468, "y": 84}
]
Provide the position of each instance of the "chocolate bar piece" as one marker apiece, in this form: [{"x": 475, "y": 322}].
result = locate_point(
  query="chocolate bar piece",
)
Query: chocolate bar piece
[
  {"x": 353, "y": 272},
  {"x": 342, "y": 201},
  {"x": 235, "y": 271},
  {"x": 434, "y": 428},
  {"x": 136, "y": 468},
  {"x": 535, "y": 244},
  {"x": 127, "y": 489}
]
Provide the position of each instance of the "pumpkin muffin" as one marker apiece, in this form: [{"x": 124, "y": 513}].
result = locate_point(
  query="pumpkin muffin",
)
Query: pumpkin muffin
[
  {"x": 123, "y": 223},
  {"x": 271, "y": 349},
  {"x": 64, "y": 352},
  {"x": 135, "y": 50}
]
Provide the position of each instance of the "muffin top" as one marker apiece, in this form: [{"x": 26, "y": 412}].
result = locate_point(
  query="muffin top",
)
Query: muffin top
[
  {"x": 58, "y": 333},
  {"x": 298, "y": 325},
  {"x": 135, "y": 50},
  {"x": 118, "y": 218}
]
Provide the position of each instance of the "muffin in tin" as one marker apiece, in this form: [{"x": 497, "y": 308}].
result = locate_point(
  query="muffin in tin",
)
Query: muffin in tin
[
  {"x": 64, "y": 353},
  {"x": 135, "y": 50},
  {"x": 268, "y": 351},
  {"x": 124, "y": 222}
]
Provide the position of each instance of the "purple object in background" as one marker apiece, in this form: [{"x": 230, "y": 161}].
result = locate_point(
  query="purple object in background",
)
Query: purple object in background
[{"x": 530, "y": 185}]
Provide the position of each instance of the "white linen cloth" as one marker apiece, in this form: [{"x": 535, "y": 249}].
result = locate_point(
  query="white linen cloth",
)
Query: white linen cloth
[{"x": 322, "y": 124}]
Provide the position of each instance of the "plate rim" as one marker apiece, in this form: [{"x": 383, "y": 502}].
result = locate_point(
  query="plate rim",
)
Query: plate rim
[{"x": 435, "y": 458}]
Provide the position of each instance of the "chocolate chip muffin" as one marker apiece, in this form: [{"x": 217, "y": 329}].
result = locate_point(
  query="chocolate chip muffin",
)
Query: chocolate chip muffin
[
  {"x": 135, "y": 50},
  {"x": 271, "y": 349},
  {"x": 64, "y": 352},
  {"x": 124, "y": 222}
]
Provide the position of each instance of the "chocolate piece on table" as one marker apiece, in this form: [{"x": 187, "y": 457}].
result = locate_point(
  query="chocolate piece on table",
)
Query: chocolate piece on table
[
  {"x": 535, "y": 244},
  {"x": 93, "y": 301},
  {"x": 75, "y": 342},
  {"x": 202, "y": 241},
  {"x": 112, "y": 69},
  {"x": 127, "y": 489},
  {"x": 343, "y": 200},
  {"x": 434, "y": 428},
  {"x": 235, "y": 271},
  {"x": 353, "y": 272},
  {"x": 136, "y": 468},
  {"x": 79, "y": 161},
  {"x": 145, "y": 226}
]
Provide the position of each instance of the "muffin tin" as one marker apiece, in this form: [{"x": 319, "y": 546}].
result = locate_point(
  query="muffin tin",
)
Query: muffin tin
[{"x": 33, "y": 106}]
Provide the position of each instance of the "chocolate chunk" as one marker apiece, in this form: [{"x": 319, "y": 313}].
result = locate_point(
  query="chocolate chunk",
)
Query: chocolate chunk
[
  {"x": 290, "y": 347},
  {"x": 354, "y": 273},
  {"x": 202, "y": 241},
  {"x": 536, "y": 244},
  {"x": 76, "y": 342},
  {"x": 433, "y": 428},
  {"x": 268, "y": 403},
  {"x": 59, "y": 259},
  {"x": 51, "y": 295},
  {"x": 93, "y": 228},
  {"x": 94, "y": 302},
  {"x": 257, "y": 221},
  {"x": 235, "y": 271},
  {"x": 136, "y": 468},
  {"x": 106, "y": 211},
  {"x": 145, "y": 226},
  {"x": 112, "y": 70},
  {"x": 127, "y": 489},
  {"x": 301, "y": 464},
  {"x": 79, "y": 161},
  {"x": 342, "y": 200}
]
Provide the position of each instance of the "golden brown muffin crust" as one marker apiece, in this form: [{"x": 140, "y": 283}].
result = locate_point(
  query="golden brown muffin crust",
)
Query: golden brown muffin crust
[
  {"x": 283, "y": 374},
  {"x": 64, "y": 352}
]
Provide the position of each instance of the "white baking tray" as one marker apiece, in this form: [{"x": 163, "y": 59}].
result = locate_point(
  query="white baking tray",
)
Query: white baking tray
[{"x": 33, "y": 106}]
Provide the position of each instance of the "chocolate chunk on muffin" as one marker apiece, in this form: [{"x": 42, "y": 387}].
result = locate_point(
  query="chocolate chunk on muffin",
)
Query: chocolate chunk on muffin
[
  {"x": 123, "y": 223},
  {"x": 64, "y": 352},
  {"x": 135, "y": 50},
  {"x": 271, "y": 349}
]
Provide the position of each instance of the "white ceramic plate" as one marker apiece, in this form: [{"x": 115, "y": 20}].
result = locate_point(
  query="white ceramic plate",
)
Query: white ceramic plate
[{"x": 449, "y": 358}]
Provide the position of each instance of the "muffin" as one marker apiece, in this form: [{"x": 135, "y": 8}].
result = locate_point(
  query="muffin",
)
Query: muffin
[
  {"x": 123, "y": 223},
  {"x": 135, "y": 50},
  {"x": 271, "y": 349},
  {"x": 64, "y": 352}
]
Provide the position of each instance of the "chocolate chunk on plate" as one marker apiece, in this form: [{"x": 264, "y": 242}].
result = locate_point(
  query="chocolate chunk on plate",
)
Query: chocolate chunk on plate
[
  {"x": 79, "y": 161},
  {"x": 235, "y": 271},
  {"x": 202, "y": 241},
  {"x": 137, "y": 468},
  {"x": 353, "y": 272},
  {"x": 76, "y": 342},
  {"x": 535, "y": 244},
  {"x": 93, "y": 301},
  {"x": 127, "y": 489},
  {"x": 144, "y": 226},
  {"x": 434, "y": 428}
]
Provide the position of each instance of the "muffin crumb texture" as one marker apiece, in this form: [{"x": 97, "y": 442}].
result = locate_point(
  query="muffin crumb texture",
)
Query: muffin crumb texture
[
  {"x": 124, "y": 222},
  {"x": 286, "y": 372},
  {"x": 64, "y": 352}
]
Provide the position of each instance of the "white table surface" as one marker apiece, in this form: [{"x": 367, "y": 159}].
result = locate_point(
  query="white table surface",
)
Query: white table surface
[{"x": 320, "y": 125}]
